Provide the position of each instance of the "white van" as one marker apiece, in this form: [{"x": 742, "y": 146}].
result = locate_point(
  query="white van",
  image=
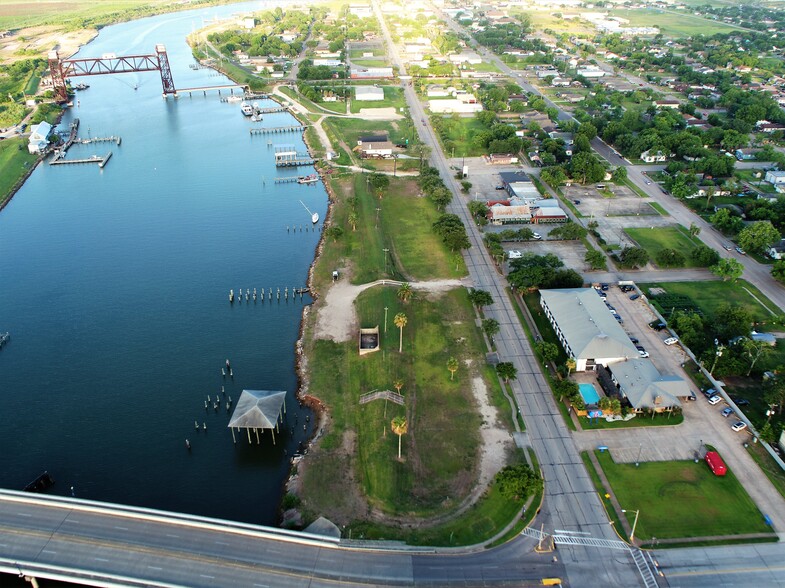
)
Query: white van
[{"x": 514, "y": 254}]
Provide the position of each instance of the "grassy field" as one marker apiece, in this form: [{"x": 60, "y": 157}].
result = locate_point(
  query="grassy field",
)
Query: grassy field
[
  {"x": 353, "y": 128},
  {"x": 659, "y": 238},
  {"x": 14, "y": 161},
  {"x": 404, "y": 227},
  {"x": 657, "y": 420},
  {"x": 682, "y": 499},
  {"x": 457, "y": 136},
  {"x": 15, "y": 14},
  {"x": 393, "y": 97},
  {"x": 440, "y": 450},
  {"x": 709, "y": 296},
  {"x": 673, "y": 25}
]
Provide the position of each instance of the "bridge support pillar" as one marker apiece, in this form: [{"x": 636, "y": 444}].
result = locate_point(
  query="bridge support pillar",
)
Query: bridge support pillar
[
  {"x": 32, "y": 581},
  {"x": 58, "y": 78},
  {"x": 166, "y": 72}
]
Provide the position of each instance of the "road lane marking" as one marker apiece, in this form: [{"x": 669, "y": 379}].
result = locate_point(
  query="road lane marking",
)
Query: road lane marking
[
  {"x": 49, "y": 551},
  {"x": 222, "y": 543},
  {"x": 100, "y": 559},
  {"x": 208, "y": 577},
  {"x": 23, "y": 514},
  {"x": 121, "y": 528},
  {"x": 173, "y": 536},
  {"x": 154, "y": 568}
]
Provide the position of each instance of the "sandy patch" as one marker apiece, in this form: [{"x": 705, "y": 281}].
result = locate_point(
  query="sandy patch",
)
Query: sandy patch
[
  {"x": 496, "y": 441},
  {"x": 42, "y": 40},
  {"x": 337, "y": 318},
  {"x": 380, "y": 114}
]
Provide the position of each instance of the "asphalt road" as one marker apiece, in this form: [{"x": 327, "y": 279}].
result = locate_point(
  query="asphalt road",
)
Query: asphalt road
[
  {"x": 137, "y": 547},
  {"x": 571, "y": 503}
]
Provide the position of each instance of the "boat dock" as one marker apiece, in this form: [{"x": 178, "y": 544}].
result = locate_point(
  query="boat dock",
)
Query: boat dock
[
  {"x": 288, "y": 156},
  {"x": 287, "y": 179},
  {"x": 205, "y": 89},
  {"x": 101, "y": 161},
  {"x": 111, "y": 139},
  {"x": 270, "y": 130},
  {"x": 271, "y": 109}
]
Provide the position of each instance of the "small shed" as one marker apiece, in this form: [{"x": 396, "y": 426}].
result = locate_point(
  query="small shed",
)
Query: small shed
[
  {"x": 369, "y": 340},
  {"x": 258, "y": 409}
]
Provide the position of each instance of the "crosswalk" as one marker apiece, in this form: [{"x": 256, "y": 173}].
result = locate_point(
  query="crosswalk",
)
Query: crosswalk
[{"x": 643, "y": 563}]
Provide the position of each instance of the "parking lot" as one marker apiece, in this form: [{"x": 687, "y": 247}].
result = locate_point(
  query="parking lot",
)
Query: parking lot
[
  {"x": 703, "y": 423},
  {"x": 570, "y": 252}
]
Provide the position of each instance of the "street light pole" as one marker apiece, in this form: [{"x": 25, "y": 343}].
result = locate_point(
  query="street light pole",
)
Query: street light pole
[
  {"x": 634, "y": 524},
  {"x": 385, "y": 319},
  {"x": 386, "y": 251},
  {"x": 637, "y": 461}
]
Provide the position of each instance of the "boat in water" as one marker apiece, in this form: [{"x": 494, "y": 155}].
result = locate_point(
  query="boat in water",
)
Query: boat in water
[
  {"x": 233, "y": 98},
  {"x": 246, "y": 109},
  {"x": 314, "y": 215},
  {"x": 309, "y": 179}
]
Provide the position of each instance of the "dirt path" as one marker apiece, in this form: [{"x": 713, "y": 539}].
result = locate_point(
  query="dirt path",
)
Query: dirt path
[{"x": 337, "y": 319}]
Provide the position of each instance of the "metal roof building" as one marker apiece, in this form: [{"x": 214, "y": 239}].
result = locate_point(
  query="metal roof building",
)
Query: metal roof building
[
  {"x": 646, "y": 388},
  {"x": 258, "y": 409},
  {"x": 586, "y": 328}
]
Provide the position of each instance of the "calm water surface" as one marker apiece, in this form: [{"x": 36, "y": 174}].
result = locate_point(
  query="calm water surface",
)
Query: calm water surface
[{"x": 114, "y": 287}]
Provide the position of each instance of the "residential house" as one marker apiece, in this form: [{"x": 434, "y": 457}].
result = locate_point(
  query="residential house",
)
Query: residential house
[
  {"x": 775, "y": 177},
  {"x": 645, "y": 388},
  {"x": 375, "y": 146},
  {"x": 746, "y": 154},
  {"x": 39, "y": 137},
  {"x": 666, "y": 104},
  {"x": 649, "y": 157},
  {"x": 777, "y": 251},
  {"x": 453, "y": 105}
]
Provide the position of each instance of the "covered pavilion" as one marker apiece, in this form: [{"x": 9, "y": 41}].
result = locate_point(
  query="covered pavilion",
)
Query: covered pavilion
[{"x": 258, "y": 409}]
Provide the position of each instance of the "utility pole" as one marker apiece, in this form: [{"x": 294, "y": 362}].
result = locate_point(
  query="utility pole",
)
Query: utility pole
[{"x": 385, "y": 319}]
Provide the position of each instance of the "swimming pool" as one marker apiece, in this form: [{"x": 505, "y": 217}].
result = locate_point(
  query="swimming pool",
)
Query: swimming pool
[{"x": 589, "y": 393}]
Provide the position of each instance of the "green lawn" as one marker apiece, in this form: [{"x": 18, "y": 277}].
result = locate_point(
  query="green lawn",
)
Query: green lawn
[
  {"x": 393, "y": 97},
  {"x": 656, "y": 239},
  {"x": 680, "y": 499},
  {"x": 350, "y": 129},
  {"x": 673, "y": 25},
  {"x": 710, "y": 295},
  {"x": 369, "y": 62},
  {"x": 15, "y": 161}
]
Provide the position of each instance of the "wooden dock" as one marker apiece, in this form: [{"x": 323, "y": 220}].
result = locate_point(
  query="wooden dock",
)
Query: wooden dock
[
  {"x": 294, "y": 162},
  {"x": 101, "y": 161},
  {"x": 205, "y": 89},
  {"x": 111, "y": 139},
  {"x": 271, "y": 110},
  {"x": 287, "y": 179},
  {"x": 271, "y": 130}
]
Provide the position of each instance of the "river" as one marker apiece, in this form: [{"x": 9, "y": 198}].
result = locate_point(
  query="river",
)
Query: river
[{"x": 114, "y": 288}]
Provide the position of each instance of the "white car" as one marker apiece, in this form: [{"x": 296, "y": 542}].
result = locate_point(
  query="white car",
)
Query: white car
[
  {"x": 643, "y": 354},
  {"x": 536, "y": 236},
  {"x": 715, "y": 400},
  {"x": 739, "y": 426},
  {"x": 671, "y": 341},
  {"x": 514, "y": 254}
]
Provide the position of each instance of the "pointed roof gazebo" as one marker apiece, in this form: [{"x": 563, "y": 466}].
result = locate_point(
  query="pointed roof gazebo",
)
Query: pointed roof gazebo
[{"x": 258, "y": 409}]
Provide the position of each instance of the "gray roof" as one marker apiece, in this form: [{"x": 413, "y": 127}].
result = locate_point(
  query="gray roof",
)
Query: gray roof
[
  {"x": 514, "y": 177},
  {"x": 257, "y": 409},
  {"x": 587, "y": 324},
  {"x": 645, "y": 387}
]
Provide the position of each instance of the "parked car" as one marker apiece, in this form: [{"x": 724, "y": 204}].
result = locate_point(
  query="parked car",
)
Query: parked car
[
  {"x": 727, "y": 247},
  {"x": 514, "y": 254},
  {"x": 500, "y": 187},
  {"x": 604, "y": 287},
  {"x": 634, "y": 340},
  {"x": 657, "y": 325},
  {"x": 536, "y": 236},
  {"x": 648, "y": 182},
  {"x": 692, "y": 396},
  {"x": 740, "y": 251},
  {"x": 715, "y": 400},
  {"x": 634, "y": 296},
  {"x": 576, "y": 201},
  {"x": 709, "y": 392},
  {"x": 726, "y": 412},
  {"x": 640, "y": 348},
  {"x": 740, "y": 401},
  {"x": 643, "y": 354},
  {"x": 671, "y": 341},
  {"x": 612, "y": 309},
  {"x": 739, "y": 426}
]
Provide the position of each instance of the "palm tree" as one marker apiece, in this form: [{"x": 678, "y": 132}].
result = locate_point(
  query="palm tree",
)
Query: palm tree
[
  {"x": 399, "y": 427},
  {"x": 491, "y": 327},
  {"x": 400, "y": 321},
  {"x": 570, "y": 365},
  {"x": 398, "y": 384},
  {"x": 353, "y": 220},
  {"x": 507, "y": 371},
  {"x": 405, "y": 292},
  {"x": 452, "y": 365}
]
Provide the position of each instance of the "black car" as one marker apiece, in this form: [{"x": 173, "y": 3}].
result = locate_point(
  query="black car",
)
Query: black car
[
  {"x": 709, "y": 392},
  {"x": 500, "y": 187},
  {"x": 635, "y": 296},
  {"x": 740, "y": 401},
  {"x": 576, "y": 201},
  {"x": 604, "y": 287},
  {"x": 657, "y": 325},
  {"x": 634, "y": 340}
]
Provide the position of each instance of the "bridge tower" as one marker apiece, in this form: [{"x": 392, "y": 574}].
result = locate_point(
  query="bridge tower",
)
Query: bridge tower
[
  {"x": 166, "y": 73},
  {"x": 58, "y": 78}
]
